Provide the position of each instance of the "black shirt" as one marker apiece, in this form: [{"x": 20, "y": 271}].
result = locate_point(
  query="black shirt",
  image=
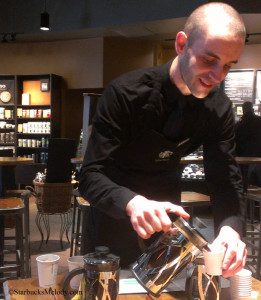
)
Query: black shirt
[
  {"x": 142, "y": 127},
  {"x": 248, "y": 135}
]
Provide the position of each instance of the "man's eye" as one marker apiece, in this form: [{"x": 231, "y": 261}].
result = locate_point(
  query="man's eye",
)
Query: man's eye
[
  {"x": 227, "y": 67},
  {"x": 208, "y": 60}
]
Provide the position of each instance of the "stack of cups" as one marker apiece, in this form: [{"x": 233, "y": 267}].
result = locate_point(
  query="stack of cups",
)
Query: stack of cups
[{"x": 241, "y": 285}]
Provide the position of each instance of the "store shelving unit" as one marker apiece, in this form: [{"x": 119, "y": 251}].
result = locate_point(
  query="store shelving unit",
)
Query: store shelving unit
[
  {"x": 7, "y": 112},
  {"x": 35, "y": 116}
]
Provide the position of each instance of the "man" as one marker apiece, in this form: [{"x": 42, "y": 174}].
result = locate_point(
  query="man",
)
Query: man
[
  {"x": 248, "y": 132},
  {"x": 248, "y": 142},
  {"x": 145, "y": 121}
]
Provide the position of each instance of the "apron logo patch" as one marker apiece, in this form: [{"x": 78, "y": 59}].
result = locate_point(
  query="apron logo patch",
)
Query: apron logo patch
[{"x": 164, "y": 156}]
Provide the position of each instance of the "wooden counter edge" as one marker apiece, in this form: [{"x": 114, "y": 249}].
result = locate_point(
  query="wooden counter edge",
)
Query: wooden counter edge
[{"x": 31, "y": 284}]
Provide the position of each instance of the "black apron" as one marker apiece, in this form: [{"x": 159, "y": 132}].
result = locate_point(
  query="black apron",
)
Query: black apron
[{"x": 149, "y": 166}]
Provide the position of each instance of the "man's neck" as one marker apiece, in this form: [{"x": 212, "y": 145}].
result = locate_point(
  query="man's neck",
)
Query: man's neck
[{"x": 176, "y": 77}]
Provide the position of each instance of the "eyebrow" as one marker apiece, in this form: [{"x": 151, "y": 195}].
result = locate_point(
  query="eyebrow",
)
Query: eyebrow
[{"x": 217, "y": 57}]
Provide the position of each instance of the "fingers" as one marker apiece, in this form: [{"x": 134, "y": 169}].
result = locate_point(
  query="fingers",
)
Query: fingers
[
  {"x": 150, "y": 222},
  {"x": 148, "y": 216},
  {"x": 176, "y": 209},
  {"x": 236, "y": 252},
  {"x": 235, "y": 259}
]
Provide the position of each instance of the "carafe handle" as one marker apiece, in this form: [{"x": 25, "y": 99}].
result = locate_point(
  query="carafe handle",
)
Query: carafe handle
[{"x": 67, "y": 279}]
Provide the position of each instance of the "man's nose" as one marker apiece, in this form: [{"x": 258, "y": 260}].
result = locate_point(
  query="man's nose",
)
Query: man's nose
[{"x": 217, "y": 74}]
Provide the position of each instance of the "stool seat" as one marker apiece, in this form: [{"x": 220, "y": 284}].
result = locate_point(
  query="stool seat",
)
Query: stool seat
[{"x": 12, "y": 203}]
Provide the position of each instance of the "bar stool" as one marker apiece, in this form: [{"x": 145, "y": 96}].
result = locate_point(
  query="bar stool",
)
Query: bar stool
[
  {"x": 12, "y": 206},
  {"x": 80, "y": 211},
  {"x": 252, "y": 233},
  {"x": 25, "y": 196},
  {"x": 189, "y": 200}
]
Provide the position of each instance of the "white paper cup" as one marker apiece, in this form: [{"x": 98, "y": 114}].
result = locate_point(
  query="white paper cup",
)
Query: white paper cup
[
  {"x": 214, "y": 259},
  {"x": 47, "y": 265},
  {"x": 75, "y": 262}
]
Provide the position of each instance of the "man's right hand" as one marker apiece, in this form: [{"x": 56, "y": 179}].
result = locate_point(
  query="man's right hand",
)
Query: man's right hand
[{"x": 149, "y": 216}]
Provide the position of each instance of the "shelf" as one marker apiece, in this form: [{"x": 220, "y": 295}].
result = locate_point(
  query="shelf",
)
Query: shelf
[
  {"x": 7, "y": 144},
  {"x": 33, "y": 119},
  {"x": 33, "y": 106},
  {"x": 33, "y": 148},
  {"x": 5, "y": 120},
  {"x": 30, "y": 134},
  {"x": 7, "y": 129}
]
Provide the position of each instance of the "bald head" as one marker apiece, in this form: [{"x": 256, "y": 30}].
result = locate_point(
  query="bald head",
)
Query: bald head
[{"x": 215, "y": 18}]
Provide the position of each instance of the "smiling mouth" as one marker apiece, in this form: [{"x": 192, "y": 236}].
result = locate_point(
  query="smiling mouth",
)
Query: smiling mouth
[{"x": 205, "y": 85}]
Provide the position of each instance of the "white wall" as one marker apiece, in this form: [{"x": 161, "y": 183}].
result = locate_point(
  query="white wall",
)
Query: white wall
[
  {"x": 250, "y": 58},
  {"x": 79, "y": 62}
]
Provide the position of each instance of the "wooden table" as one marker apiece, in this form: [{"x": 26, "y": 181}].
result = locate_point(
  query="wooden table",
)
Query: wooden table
[
  {"x": 28, "y": 289},
  {"x": 240, "y": 160},
  {"x": 196, "y": 160},
  {"x": 7, "y": 164},
  {"x": 14, "y": 161}
]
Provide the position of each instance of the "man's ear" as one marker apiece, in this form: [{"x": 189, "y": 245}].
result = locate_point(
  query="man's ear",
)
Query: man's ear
[{"x": 181, "y": 41}]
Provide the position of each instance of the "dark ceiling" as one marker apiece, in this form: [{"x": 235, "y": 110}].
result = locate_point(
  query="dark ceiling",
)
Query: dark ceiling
[{"x": 80, "y": 19}]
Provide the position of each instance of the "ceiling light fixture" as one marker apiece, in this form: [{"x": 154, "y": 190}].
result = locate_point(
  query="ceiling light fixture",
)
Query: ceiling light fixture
[{"x": 44, "y": 25}]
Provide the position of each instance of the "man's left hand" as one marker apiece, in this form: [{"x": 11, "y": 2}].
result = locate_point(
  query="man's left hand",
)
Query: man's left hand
[{"x": 236, "y": 252}]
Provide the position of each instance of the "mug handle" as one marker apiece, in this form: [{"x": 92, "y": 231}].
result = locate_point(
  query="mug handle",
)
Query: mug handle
[{"x": 67, "y": 279}]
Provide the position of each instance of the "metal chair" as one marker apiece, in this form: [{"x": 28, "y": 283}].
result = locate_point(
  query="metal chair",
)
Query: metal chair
[{"x": 53, "y": 199}]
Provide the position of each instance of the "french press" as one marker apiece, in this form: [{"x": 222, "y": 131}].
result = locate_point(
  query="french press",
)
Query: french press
[
  {"x": 168, "y": 256},
  {"x": 200, "y": 285},
  {"x": 101, "y": 275}
]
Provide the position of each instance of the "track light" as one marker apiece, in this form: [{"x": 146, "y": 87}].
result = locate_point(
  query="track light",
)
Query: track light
[{"x": 44, "y": 25}]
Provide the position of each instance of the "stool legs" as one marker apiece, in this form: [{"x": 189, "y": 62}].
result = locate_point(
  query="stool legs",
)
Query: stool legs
[
  {"x": 65, "y": 226},
  {"x": 73, "y": 226},
  {"x": 1, "y": 250},
  {"x": 20, "y": 241}
]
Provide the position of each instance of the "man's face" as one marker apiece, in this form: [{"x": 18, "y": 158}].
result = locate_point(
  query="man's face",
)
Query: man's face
[{"x": 206, "y": 62}]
